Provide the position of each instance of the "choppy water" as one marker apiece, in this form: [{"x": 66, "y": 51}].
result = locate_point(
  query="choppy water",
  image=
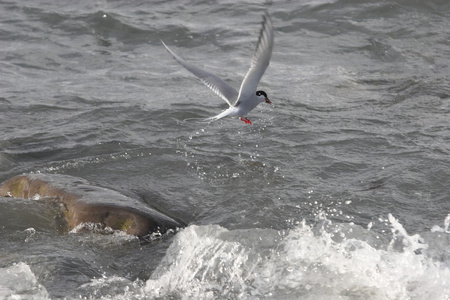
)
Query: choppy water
[{"x": 340, "y": 190}]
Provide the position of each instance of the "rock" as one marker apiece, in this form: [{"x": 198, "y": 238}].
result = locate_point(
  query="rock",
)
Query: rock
[{"x": 80, "y": 202}]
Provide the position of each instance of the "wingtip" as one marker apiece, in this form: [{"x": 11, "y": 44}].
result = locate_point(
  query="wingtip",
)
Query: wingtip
[
  {"x": 266, "y": 15},
  {"x": 164, "y": 44},
  {"x": 266, "y": 24},
  {"x": 174, "y": 55}
]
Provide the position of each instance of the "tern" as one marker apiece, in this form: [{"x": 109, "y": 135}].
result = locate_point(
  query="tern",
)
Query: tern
[{"x": 242, "y": 102}]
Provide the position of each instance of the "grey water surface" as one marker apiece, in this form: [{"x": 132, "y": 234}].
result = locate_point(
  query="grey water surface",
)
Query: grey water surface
[{"x": 340, "y": 190}]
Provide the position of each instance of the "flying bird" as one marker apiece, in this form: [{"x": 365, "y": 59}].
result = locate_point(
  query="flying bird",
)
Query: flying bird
[{"x": 242, "y": 102}]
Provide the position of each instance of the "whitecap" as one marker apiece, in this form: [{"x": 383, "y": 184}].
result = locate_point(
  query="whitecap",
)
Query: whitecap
[
  {"x": 19, "y": 282},
  {"x": 211, "y": 262}
]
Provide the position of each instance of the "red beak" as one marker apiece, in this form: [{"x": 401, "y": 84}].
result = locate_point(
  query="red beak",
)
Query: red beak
[{"x": 268, "y": 101}]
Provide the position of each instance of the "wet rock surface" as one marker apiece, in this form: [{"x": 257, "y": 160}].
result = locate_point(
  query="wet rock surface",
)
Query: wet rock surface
[{"x": 80, "y": 202}]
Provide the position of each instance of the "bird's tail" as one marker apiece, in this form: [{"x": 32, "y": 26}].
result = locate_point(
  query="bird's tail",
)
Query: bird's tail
[{"x": 223, "y": 114}]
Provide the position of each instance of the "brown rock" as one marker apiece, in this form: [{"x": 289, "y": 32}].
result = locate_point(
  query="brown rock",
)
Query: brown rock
[{"x": 79, "y": 202}]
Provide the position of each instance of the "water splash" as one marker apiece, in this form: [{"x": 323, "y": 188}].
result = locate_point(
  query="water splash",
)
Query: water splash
[
  {"x": 446, "y": 228},
  {"x": 18, "y": 282},
  {"x": 322, "y": 260},
  {"x": 210, "y": 262}
]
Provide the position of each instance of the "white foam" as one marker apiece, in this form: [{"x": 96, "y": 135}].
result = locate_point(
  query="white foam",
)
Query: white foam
[
  {"x": 104, "y": 235},
  {"x": 92, "y": 227},
  {"x": 18, "y": 282},
  {"x": 446, "y": 228},
  {"x": 114, "y": 287},
  {"x": 211, "y": 262}
]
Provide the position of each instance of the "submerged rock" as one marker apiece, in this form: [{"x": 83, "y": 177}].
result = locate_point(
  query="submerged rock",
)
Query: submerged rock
[{"x": 79, "y": 202}]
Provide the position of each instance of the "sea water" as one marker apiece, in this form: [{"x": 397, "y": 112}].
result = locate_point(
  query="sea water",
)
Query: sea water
[{"x": 337, "y": 191}]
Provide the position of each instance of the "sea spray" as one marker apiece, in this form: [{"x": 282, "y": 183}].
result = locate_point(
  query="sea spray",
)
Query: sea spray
[{"x": 308, "y": 262}]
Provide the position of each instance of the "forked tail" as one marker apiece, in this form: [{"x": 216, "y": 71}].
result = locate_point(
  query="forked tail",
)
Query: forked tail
[{"x": 223, "y": 114}]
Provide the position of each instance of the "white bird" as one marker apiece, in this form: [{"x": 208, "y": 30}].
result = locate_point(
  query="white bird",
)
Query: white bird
[{"x": 242, "y": 102}]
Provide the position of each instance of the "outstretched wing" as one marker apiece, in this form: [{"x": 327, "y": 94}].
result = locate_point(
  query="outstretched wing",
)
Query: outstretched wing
[
  {"x": 217, "y": 85},
  {"x": 260, "y": 60}
]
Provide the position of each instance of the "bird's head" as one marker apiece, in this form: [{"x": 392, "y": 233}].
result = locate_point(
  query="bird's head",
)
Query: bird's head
[{"x": 263, "y": 96}]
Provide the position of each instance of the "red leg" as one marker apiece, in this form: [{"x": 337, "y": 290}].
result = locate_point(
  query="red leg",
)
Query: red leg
[{"x": 245, "y": 120}]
